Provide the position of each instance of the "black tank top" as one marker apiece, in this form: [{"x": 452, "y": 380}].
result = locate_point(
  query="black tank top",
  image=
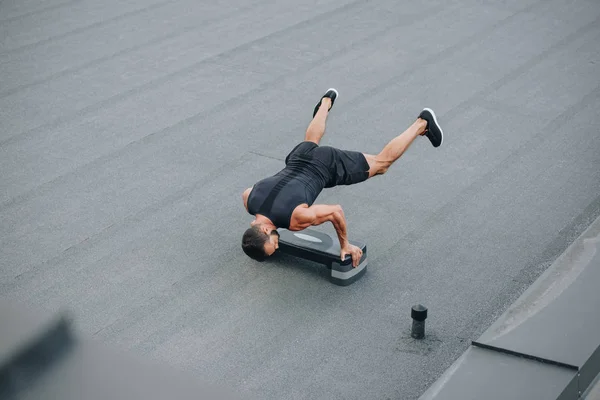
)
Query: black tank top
[{"x": 299, "y": 182}]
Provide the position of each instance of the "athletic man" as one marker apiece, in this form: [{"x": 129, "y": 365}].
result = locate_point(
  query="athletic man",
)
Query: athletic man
[{"x": 286, "y": 199}]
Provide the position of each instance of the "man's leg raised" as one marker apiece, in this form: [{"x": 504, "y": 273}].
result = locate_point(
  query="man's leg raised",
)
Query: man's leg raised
[
  {"x": 316, "y": 128},
  {"x": 379, "y": 164},
  {"x": 426, "y": 124}
]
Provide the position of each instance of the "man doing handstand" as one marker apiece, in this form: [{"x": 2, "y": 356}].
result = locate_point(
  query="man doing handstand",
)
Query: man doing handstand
[{"x": 285, "y": 200}]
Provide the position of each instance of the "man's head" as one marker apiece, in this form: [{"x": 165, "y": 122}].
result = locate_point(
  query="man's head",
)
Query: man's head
[{"x": 260, "y": 241}]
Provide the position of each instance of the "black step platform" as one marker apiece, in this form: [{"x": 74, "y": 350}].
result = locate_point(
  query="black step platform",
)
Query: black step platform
[{"x": 321, "y": 248}]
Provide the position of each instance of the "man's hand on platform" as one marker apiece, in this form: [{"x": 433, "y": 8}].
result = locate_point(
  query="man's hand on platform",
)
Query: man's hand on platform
[{"x": 354, "y": 251}]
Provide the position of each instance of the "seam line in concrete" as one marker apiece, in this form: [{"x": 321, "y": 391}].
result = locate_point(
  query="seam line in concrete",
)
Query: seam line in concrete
[
  {"x": 264, "y": 155},
  {"x": 517, "y": 72},
  {"x": 151, "y": 209},
  {"x": 165, "y": 78},
  {"x": 122, "y": 52},
  {"x": 30, "y": 13},
  {"x": 84, "y": 28}
]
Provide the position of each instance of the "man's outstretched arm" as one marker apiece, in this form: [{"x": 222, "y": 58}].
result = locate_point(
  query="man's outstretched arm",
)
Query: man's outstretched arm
[{"x": 320, "y": 213}]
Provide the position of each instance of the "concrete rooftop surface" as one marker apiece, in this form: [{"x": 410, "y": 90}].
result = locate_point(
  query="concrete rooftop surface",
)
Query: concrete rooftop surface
[{"x": 129, "y": 129}]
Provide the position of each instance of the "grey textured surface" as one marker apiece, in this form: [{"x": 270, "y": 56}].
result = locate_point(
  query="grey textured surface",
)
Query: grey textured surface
[{"x": 129, "y": 129}]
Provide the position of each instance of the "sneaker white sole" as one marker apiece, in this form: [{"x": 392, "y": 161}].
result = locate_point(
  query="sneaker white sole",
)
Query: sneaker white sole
[{"x": 436, "y": 122}]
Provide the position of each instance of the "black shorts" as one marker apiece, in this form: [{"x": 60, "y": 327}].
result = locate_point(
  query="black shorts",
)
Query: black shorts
[{"x": 343, "y": 167}]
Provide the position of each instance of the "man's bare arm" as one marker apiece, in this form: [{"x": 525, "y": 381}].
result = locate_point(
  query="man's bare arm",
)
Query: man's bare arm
[
  {"x": 321, "y": 213},
  {"x": 245, "y": 196}
]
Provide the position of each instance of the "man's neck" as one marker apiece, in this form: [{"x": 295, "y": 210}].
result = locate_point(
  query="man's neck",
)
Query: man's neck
[{"x": 261, "y": 219}]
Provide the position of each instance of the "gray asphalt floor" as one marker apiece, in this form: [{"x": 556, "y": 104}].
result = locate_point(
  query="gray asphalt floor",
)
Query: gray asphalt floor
[{"x": 129, "y": 129}]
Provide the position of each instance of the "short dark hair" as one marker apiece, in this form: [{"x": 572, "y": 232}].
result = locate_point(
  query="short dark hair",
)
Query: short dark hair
[{"x": 253, "y": 243}]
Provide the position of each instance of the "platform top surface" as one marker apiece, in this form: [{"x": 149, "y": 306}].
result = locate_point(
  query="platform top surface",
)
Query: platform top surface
[
  {"x": 310, "y": 238},
  {"x": 128, "y": 131},
  {"x": 314, "y": 240}
]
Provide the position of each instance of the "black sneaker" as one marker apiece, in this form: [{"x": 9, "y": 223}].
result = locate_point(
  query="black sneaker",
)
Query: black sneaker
[
  {"x": 434, "y": 131},
  {"x": 332, "y": 94}
]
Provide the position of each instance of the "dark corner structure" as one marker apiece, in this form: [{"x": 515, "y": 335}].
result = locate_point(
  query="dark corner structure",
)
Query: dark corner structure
[
  {"x": 546, "y": 345},
  {"x": 319, "y": 247},
  {"x": 41, "y": 357}
]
